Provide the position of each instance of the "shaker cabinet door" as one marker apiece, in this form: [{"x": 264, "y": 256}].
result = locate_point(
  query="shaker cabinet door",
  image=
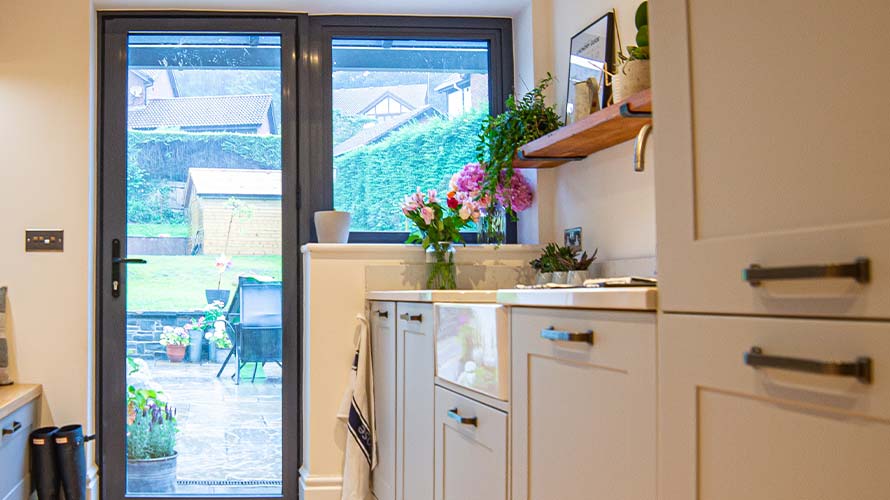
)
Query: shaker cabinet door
[
  {"x": 383, "y": 357},
  {"x": 771, "y": 143}
]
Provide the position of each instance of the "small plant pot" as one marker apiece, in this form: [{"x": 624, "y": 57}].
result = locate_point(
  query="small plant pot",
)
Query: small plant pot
[
  {"x": 543, "y": 278},
  {"x": 175, "y": 353},
  {"x": 196, "y": 344},
  {"x": 559, "y": 277},
  {"x": 214, "y": 295},
  {"x": 632, "y": 77},
  {"x": 156, "y": 475},
  {"x": 577, "y": 277},
  {"x": 332, "y": 226}
]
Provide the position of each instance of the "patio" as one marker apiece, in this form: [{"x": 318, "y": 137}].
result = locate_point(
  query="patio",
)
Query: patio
[{"x": 229, "y": 439}]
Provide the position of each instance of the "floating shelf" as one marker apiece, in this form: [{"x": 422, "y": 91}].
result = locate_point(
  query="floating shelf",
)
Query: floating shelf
[{"x": 605, "y": 128}]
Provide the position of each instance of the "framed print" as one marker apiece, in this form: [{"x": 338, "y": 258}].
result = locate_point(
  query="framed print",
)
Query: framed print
[{"x": 591, "y": 53}]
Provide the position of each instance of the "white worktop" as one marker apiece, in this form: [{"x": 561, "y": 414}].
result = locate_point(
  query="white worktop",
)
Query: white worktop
[
  {"x": 629, "y": 298},
  {"x": 13, "y": 397}
]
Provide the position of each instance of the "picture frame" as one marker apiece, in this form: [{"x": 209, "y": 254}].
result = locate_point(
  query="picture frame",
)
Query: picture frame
[
  {"x": 591, "y": 55},
  {"x": 572, "y": 238}
]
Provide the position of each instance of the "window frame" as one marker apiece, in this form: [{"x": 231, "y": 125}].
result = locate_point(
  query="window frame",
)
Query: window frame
[{"x": 498, "y": 32}]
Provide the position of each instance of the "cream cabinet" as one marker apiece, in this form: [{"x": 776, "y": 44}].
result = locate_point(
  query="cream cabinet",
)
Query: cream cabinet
[
  {"x": 15, "y": 481},
  {"x": 737, "y": 427},
  {"x": 383, "y": 356},
  {"x": 583, "y": 404},
  {"x": 770, "y": 132},
  {"x": 415, "y": 361},
  {"x": 471, "y": 449}
]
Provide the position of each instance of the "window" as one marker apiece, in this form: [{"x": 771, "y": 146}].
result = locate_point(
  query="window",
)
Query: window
[{"x": 407, "y": 97}]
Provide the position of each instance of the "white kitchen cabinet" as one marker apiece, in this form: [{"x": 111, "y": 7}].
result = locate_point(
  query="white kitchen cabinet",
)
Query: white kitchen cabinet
[
  {"x": 15, "y": 479},
  {"x": 383, "y": 356},
  {"x": 415, "y": 361},
  {"x": 729, "y": 431},
  {"x": 471, "y": 449},
  {"x": 771, "y": 142},
  {"x": 583, "y": 414}
]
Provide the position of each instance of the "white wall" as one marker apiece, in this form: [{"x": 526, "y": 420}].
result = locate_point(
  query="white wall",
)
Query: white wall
[{"x": 614, "y": 206}]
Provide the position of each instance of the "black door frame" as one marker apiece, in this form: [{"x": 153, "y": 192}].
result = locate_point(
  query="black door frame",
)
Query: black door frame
[{"x": 111, "y": 211}]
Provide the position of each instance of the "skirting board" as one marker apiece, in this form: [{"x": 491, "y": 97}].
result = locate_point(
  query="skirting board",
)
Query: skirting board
[
  {"x": 93, "y": 483},
  {"x": 320, "y": 487}
]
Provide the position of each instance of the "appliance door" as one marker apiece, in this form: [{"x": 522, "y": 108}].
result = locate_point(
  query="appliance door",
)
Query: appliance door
[{"x": 473, "y": 347}]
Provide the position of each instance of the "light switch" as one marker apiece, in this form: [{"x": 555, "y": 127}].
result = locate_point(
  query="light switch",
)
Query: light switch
[{"x": 37, "y": 240}]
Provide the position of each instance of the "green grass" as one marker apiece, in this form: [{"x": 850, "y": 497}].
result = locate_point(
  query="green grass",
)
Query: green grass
[
  {"x": 177, "y": 282},
  {"x": 153, "y": 230}
]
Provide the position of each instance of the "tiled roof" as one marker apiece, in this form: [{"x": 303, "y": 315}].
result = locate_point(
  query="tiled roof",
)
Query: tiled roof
[
  {"x": 234, "y": 182},
  {"x": 209, "y": 111},
  {"x": 355, "y": 101},
  {"x": 378, "y": 132}
]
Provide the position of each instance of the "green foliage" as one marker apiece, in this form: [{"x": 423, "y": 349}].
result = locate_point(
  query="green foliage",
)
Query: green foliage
[
  {"x": 346, "y": 126},
  {"x": 371, "y": 181},
  {"x": 148, "y": 199},
  {"x": 641, "y": 49},
  {"x": 522, "y": 121},
  {"x": 557, "y": 258},
  {"x": 151, "y": 424}
]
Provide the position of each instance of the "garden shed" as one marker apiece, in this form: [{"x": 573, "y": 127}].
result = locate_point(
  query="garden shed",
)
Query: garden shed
[{"x": 242, "y": 206}]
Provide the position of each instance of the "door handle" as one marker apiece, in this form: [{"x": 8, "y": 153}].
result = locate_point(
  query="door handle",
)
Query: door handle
[
  {"x": 116, "y": 261},
  {"x": 861, "y": 368},
  {"x": 457, "y": 417},
  {"x": 859, "y": 270},
  {"x": 408, "y": 317},
  {"x": 12, "y": 429},
  {"x": 550, "y": 334}
]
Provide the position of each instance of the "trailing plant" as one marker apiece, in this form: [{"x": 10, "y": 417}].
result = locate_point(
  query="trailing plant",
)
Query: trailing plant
[
  {"x": 641, "y": 49},
  {"x": 522, "y": 121}
]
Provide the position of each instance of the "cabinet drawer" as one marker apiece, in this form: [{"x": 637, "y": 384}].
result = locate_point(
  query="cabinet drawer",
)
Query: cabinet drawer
[
  {"x": 583, "y": 414},
  {"x": 731, "y": 431},
  {"x": 471, "y": 449},
  {"x": 14, "y": 448}
]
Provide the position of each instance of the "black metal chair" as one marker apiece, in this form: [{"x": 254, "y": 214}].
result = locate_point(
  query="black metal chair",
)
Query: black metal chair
[{"x": 255, "y": 320}]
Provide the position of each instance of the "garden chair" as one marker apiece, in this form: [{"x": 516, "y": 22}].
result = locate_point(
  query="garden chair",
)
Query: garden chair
[{"x": 255, "y": 320}]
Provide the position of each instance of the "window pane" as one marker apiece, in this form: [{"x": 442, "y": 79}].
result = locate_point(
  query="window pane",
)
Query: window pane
[{"x": 406, "y": 114}]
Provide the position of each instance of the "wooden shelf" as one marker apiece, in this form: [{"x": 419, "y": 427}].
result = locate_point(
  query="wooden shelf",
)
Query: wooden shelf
[{"x": 600, "y": 130}]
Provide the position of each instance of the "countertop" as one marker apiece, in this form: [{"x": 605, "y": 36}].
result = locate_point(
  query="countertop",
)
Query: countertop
[
  {"x": 13, "y": 397},
  {"x": 629, "y": 298}
]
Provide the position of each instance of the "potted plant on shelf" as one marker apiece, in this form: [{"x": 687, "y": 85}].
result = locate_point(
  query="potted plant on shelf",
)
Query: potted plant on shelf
[
  {"x": 579, "y": 267},
  {"x": 522, "y": 121},
  {"x": 544, "y": 265},
  {"x": 151, "y": 442},
  {"x": 562, "y": 265},
  {"x": 437, "y": 228},
  {"x": 237, "y": 210},
  {"x": 633, "y": 74},
  {"x": 175, "y": 340},
  {"x": 492, "y": 225}
]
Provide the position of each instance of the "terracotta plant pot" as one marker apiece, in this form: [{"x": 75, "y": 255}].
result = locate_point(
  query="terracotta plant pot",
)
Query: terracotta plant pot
[
  {"x": 175, "y": 353},
  {"x": 632, "y": 77}
]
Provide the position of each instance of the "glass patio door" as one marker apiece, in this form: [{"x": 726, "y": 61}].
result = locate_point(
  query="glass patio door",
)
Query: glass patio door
[{"x": 198, "y": 351}]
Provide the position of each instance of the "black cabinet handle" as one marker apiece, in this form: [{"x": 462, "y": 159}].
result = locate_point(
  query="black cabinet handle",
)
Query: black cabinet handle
[
  {"x": 861, "y": 369},
  {"x": 859, "y": 270},
  {"x": 409, "y": 317},
  {"x": 13, "y": 429},
  {"x": 382, "y": 314},
  {"x": 550, "y": 334},
  {"x": 457, "y": 417}
]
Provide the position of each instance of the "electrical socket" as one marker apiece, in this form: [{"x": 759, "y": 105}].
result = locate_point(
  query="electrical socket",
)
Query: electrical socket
[{"x": 44, "y": 240}]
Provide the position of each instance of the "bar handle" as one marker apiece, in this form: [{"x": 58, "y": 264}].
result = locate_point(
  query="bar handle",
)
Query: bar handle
[
  {"x": 550, "y": 334},
  {"x": 382, "y": 314},
  {"x": 457, "y": 417},
  {"x": 861, "y": 369},
  {"x": 12, "y": 429},
  {"x": 859, "y": 270},
  {"x": 409, "y": 317}
]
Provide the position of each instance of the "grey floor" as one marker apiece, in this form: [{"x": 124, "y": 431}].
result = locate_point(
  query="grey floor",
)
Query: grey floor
[{"x": 229, "y": 439}]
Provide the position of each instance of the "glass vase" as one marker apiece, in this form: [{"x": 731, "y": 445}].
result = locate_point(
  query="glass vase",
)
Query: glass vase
[
  {"x": 440, "y": 266},
  {"x": 492, "y": 226}
]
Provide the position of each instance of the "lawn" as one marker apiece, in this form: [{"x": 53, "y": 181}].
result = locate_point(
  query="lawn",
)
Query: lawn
[
  {"x": 177, "y": 282},
  {"x": 154, "y": 230}
]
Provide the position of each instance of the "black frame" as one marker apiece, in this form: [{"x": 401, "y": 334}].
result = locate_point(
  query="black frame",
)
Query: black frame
[
  {"x": 498, "y": 32},
  {"x": 610, "y": 58},
  {"x": 112, "y": 32}
]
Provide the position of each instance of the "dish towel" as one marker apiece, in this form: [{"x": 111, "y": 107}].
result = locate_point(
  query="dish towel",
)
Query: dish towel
[{"x": 357, "y": 412}]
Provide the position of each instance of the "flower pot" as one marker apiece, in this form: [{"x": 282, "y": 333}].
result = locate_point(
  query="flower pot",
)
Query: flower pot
[
  {"x": 332, "y": 226},
  {"x": 440, "y": 266},
  {"x": 196, "y": 343},
  {"x": 154, "y": 475},
  {"x": 175, "y": 353},
  {"x": 492, "y": 226},
  {"x": 221, "y": 354},
  {"x": 213, "y": 295},
  {"x": 559, "y": 277},
  {"x": 632, "y": 77},
  {"x": 543, "y": 278},
  {"x": 577, "y": 277}
]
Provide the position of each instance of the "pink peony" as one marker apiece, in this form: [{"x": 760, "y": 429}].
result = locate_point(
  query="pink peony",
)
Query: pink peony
[{"x": 519, "y": 192}]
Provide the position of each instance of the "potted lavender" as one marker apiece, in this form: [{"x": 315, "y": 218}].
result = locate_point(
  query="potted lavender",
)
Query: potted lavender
[{"x": 151, "y": 442}]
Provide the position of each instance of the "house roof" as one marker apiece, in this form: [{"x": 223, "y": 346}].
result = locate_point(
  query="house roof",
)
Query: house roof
[
  {"x": 356, "y": 101},
  {"x": 217, "y": 182},
  {"x": 380, "y": 131},
  {"x": 456, "y": 79},
  {"x": 207, "y": 111}
]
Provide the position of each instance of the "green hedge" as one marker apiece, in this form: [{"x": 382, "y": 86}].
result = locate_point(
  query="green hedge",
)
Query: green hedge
[{"x": 372, "y": 181}]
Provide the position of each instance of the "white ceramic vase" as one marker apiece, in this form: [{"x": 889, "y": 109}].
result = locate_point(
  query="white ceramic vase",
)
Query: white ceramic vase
[
  {"x": 332, "y": 226},
  {"x": 577, "y": 277},
  {"x": 632, "y": 77}
]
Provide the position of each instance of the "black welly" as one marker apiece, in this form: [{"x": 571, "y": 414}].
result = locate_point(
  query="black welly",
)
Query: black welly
[
  {"x": 44, "y": 469},
  {"x": 72, "y": 461}
]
